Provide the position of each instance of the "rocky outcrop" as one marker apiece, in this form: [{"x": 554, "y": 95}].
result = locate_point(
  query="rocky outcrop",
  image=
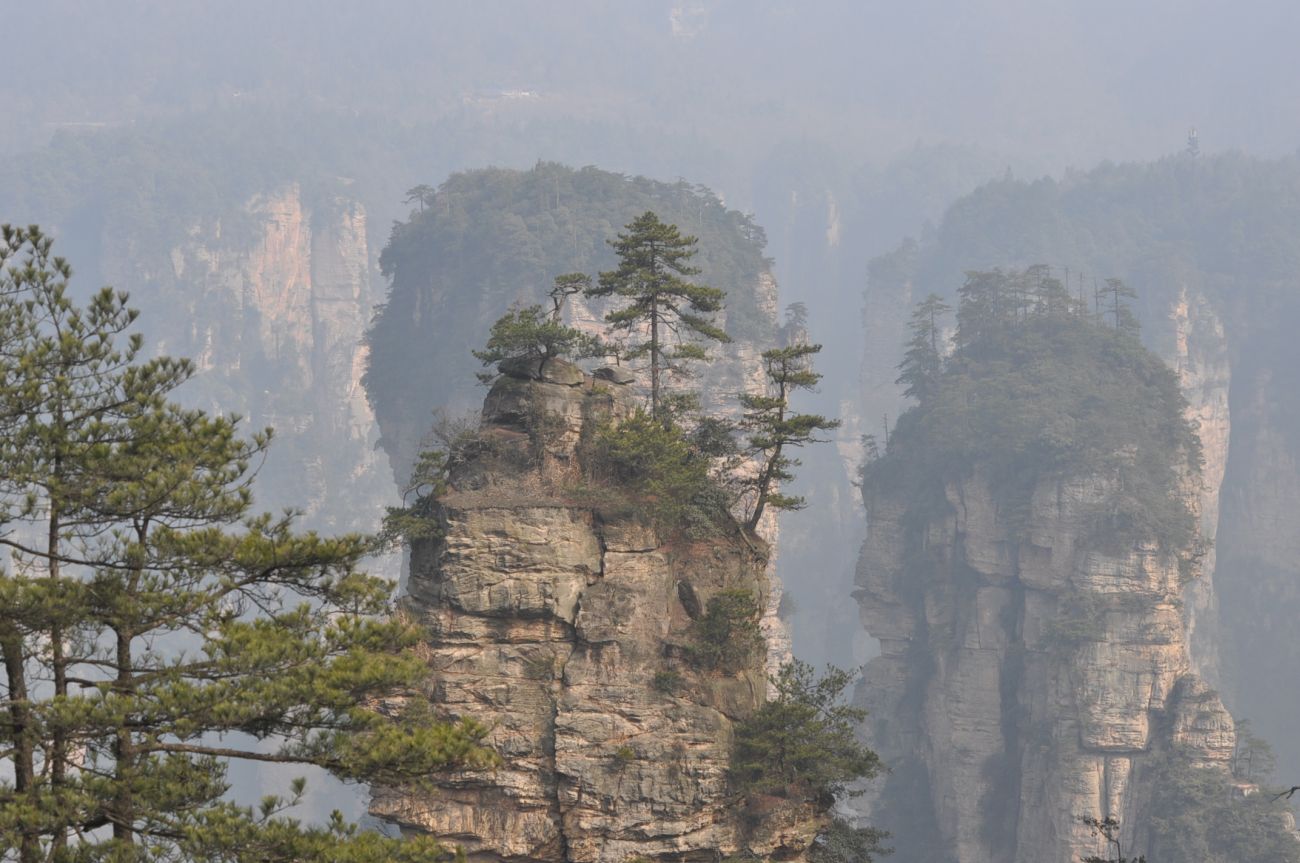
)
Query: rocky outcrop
[
  {"x": 736, "y": 367},
  {"x": 1028, "y": 681},
  {"x": 1187, "y": 330},
  {"x": 565, "y": 626}
]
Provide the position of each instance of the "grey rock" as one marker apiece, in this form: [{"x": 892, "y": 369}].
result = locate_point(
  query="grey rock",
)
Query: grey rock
[
  {"x": 1082, "y": 649},
  {"x": 690, "y": 601},
  {"x": 563, "y": 372},
  {"x": 614, "y": 374}
]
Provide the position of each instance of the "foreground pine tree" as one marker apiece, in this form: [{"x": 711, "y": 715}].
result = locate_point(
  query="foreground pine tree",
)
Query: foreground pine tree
[{"x": 153, "y": 628}]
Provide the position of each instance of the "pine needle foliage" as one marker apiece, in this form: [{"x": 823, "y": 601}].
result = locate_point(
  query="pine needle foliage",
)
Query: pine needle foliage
[
  {"x": 666, "y": 313},
  {"x": 154, "y": 628},
  {"x": 1194, "y": 815},
  {"x": 774, "y": 428},
  {"x": 802, "y": 743},
  {"x": 727, "y": 636},
  {"x": 416, "y": 519},
  {"x": 923, "y": 360},
  {"x": 663, "y": 472},
  {"x": 841, "y": 842},
  {"x": 1107, "y": 829},
  {"x": 530, "y": 333},
  {"x": 1038, "y": 388}
]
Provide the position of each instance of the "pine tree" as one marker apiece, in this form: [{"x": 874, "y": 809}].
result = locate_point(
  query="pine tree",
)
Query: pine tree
[
  {"x": 982, "y": 306},
  {"x": 803, "y": 742},
  {"x": 1121, "y": 316},
  {"x": 1049, "y": 295},
  {"x": 153, "y": 628},
  {"x": 773, "y": 428},
  {"x": 652, "y": 274},
  {"x": 531, "y": 334},
  {"x": 923, "y": 361},
  {"x": 1107, "y": 829},
  {"x": 422, "y": 194},
  {"x": 565, "y": 286}
]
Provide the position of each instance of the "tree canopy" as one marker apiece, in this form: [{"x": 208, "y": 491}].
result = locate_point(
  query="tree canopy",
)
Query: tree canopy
[
  {"x": 803, "y": 742},
  {"x": 666, "y": 314},
  {"x": 495, "y": 236},
  {"x": 1037, "y": 387},
  {"x": 531, "y": 333},
  {"x": 155, "y": 628},
  {"x": 774, "y": 428}
]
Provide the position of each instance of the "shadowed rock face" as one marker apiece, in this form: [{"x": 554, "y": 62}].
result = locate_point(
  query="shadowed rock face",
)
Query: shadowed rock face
[
  {"x": 1056, "y": 669},
  {"x": 564, "y": 627}
]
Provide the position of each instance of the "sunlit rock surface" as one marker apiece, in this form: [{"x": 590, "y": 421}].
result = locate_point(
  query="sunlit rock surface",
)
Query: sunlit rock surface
[{"x": 564, "y": 627}]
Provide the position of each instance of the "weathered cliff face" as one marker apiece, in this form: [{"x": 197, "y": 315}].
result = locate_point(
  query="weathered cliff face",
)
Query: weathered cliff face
[
  {"x": 565, "y": 627},
  {"x": 1028, "y": 683},
  {"x": 1233, "y": 303},
  {"x": 494, "y": 237},
  {"x": 1188, "y": 331},
  {"x": 271, "y": 301},
  {"x": 1200, "y": 355}
]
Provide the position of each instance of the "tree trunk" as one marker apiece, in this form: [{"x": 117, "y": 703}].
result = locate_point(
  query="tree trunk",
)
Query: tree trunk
[
  {"x": 23, "y": 757},
  {"x": 58, "y": 663},
  {"x": 123, "y": 814},
  {"x": 654, "y": 359}
]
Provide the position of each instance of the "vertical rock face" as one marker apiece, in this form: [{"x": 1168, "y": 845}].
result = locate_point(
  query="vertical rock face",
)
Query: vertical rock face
[
  {"x": 1030, "y": 682},
  {"x": 271, "y": 301},
  {"x": 1189, "y": 333},
  {"x": 565, "y": 628},
  {"x": 1200, "y": 355}
]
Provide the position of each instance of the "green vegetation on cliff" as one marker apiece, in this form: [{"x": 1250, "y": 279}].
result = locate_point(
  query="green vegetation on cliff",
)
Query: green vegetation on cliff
[
  {"x": 774, "y": 429},
  {"x": 803, "y": 741},
  {"x": 1198, "y": 815},
  {"x": 653, "y": 275},
  {"x": 688, "y": 475},
  {"x": 490, "y": 238},
  {"x": 1037, "y": 388},
  {"x": 664, "y": 475}
]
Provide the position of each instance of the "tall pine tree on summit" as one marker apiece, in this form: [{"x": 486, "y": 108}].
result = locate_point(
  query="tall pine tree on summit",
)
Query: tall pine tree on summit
[
  {"x": 154, "y": 629},
  {"x": 652, "y": 274},
  {"x": 923, "y": 361}
]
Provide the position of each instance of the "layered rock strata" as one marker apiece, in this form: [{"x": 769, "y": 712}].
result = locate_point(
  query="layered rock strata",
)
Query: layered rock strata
[
  {"x": 1028, "y": 683},
  {"x": 565, "y": 626}
]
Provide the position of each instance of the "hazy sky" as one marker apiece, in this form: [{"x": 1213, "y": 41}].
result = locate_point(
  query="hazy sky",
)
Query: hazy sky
[{"x": 1051, "y": 81}]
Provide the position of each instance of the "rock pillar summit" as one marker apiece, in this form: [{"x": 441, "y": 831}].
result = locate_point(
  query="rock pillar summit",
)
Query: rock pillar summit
[{"x": 564, "y": 624}]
